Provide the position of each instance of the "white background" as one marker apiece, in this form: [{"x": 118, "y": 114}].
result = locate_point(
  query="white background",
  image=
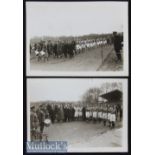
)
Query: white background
[{"x": 143, "y": 66}]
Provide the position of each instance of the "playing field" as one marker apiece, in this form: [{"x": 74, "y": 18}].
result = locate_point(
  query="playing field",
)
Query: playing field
[{"x": 85, "y": 134}]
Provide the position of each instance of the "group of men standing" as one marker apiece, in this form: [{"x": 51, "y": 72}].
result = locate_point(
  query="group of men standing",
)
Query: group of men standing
[
  {"x": 108, "y": 114},
  {"x": 58, "y": 48},
  {"x": 67, "y": 48}
]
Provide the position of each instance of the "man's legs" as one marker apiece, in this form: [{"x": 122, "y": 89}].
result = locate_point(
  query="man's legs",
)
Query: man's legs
[{"x": 118, "y": 53}]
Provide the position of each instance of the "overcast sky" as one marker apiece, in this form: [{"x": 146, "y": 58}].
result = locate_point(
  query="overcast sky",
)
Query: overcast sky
[
  {"x": 74, "y": 18},
  {"x": 60, "y": 89}
]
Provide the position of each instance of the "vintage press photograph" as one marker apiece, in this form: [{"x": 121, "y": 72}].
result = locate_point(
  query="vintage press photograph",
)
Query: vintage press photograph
[
  {"x": 89, "y": 114},
  {"x": 77, "y": 38}
]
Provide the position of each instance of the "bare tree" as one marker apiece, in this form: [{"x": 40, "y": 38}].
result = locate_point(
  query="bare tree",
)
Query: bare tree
[{"x": 90, "y": 97}]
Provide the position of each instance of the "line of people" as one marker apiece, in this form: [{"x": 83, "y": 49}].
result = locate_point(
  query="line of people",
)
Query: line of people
[
  {"x": 70, "y": 48},
  {"x": 108, "y": 114},
  {"x": 60, "y": 49}
]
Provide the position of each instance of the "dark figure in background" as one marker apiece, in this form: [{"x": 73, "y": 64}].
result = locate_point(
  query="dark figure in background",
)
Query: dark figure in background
[
  {"x": 55, "y": 50},
  {"x": 49, "y": 48},
  {"x": 35, "y": 46},
  {"x": 49, "y": 108},
  {"x": 65, "y": 113},
  {"x": 64, "y": 49},
  {"x": 70, "y": 49},
  {"x": 108, "y": 41},
  {"x": 30, "y": 48},
  {"x": 41, "y": 45},
  {"x": 69, "y": 114},
  {"x": 74, "y": 47},
  {"x": 84, "y": 113},
  {"x": 62, "y": 112},
  {"x": 117, "y": 40},
  {"x": 72, "y": 112},
  {"x": 51, "y": 112},
  {"x": 59, "y": 49},
  {"x": 56, "y": 112}
]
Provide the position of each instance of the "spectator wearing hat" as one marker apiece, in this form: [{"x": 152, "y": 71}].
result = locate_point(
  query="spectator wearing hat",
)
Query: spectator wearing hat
[{"x": 117, "y": 45}]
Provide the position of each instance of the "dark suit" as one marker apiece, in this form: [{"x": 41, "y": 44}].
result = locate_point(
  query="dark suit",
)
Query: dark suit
[
  {"x": 55, "y": 50},
  {"x": 84, "y": 113},
  {"x": 118, "y": 46}
]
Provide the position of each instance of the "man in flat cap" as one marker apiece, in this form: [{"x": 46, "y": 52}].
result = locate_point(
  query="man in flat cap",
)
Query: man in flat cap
[{"x": 117, "y": 45}]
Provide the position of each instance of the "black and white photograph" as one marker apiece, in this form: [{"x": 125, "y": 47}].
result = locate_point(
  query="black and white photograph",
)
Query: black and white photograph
[
  {"x": 77, "y": 38},
  {"x": 90, "y": 114}
]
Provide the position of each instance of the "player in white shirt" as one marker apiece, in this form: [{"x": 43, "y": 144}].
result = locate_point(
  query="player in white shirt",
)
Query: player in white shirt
[
  {"x": 87, "y": 113},
  {"x": 100, "y": 114},
  {"x": 95, "y": 114},
  {"x": 113, "y": 117},
  {"x": 109, "y": 115},
  {"x": 79, "y": 113},
  {"x": 76, "y": 113}
]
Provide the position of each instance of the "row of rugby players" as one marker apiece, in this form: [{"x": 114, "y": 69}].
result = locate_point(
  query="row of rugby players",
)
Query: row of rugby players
[
  {"x": 87, "y": 44},
  {"x": 109, "y": 114},
  {"x": 66, "y": 48},
  {"x": 66, "y": 113}
]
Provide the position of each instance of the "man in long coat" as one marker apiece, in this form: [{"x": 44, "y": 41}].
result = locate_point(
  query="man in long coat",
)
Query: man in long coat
[
  {"x": 34, "y": 124},
  {"x": 117, "y": 45}
]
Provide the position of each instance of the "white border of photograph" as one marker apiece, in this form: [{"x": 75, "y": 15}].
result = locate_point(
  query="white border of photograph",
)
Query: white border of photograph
[
  {"x": 124, "y": 72},
  {"x": 124, "y": 147}
]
